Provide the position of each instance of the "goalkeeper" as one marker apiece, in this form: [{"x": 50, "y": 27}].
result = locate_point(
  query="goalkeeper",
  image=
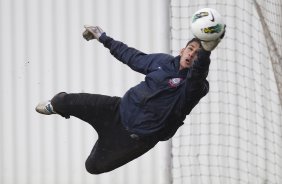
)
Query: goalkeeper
[{"x": 149, "y": 112}]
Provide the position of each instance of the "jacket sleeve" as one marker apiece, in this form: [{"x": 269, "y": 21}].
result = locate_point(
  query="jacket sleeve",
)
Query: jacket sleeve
[
  {"x": 135, "y": 59},
  {"x": 196, "y": 84}
]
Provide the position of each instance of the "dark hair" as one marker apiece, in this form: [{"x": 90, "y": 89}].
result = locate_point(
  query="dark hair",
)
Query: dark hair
[{"x": 195, "y": 40}]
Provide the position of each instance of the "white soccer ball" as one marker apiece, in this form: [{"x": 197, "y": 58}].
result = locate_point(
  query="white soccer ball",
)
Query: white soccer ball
[{"x": 207, "y": 24}]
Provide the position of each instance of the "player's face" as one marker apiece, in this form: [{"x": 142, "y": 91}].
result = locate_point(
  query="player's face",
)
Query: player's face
[{"x": 188, "y": 55}]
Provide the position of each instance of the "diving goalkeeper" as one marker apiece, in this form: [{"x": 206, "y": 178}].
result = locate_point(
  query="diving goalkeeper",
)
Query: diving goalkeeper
[{"x": 149, "y": 112}]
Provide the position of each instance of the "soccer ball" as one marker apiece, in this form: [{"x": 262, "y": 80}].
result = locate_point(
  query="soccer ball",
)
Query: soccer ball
[{"x": 207, "y": 24}]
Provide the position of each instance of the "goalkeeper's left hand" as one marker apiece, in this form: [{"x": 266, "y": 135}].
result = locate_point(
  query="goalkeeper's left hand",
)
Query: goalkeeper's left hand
[
  {"x": 92, "y": 32},
  {"x": 211, "y": 45}
]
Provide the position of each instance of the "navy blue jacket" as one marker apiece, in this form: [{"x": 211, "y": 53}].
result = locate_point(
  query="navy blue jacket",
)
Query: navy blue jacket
[{"x": 158, "y": 106}]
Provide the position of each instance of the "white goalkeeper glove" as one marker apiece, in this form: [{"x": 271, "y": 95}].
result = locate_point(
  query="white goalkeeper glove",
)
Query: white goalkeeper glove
[
  {"x": 92, "y": 32},
  {"x": 211, "y": 45}
]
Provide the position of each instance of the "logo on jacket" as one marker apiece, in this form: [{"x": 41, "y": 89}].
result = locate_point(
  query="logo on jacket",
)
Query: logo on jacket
[{"x": 174, "y": 82}]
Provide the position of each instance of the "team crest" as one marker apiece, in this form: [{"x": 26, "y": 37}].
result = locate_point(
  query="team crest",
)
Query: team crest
[{"x": 174, "y": 82}]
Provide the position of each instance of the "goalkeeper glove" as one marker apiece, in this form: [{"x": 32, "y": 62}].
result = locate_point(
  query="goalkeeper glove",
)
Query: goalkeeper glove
[
  {"x": 211, "y": 45},
  {"x": 92, "y": 32}
]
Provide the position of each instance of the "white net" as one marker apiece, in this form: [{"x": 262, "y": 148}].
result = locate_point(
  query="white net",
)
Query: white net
[{"x": 234, "y": 135}]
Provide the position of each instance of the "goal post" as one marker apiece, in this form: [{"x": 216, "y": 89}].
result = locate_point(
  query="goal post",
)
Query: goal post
[
  {"x": 234, "y": 135},
  {"x": 275, "y": 56}
]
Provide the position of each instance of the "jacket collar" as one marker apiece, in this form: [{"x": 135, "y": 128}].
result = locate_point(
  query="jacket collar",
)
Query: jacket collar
[{"x": 182, "y": 73}]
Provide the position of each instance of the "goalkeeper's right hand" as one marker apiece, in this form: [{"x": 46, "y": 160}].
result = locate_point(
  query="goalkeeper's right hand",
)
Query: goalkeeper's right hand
[
  {"x": 211, "y": 45},
  {"x": 92, "y": 32}
]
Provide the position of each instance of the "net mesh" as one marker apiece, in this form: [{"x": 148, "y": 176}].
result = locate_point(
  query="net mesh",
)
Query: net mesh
[{"x": 234, "y": 135}]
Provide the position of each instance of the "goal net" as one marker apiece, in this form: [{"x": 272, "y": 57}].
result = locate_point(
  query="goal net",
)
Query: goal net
[{"x": 234, "y": 135}]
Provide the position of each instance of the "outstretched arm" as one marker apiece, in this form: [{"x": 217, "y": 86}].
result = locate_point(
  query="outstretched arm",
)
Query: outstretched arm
[
  {"x": 197, "y": 84},
  {"x": 135, "y": 59}
]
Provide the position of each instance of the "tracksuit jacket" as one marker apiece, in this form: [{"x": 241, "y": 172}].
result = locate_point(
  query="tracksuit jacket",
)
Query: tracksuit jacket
[{"x": 157, "y": 106}]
